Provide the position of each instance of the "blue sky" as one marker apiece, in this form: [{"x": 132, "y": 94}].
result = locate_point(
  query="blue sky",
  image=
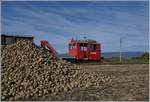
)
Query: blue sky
[{"x": 58, "y": 22}]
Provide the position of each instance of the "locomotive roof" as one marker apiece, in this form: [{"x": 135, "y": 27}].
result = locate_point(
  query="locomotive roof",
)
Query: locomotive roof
[
  {"x": 17, "y": 36},
  {"x": 83, "y": 41}
]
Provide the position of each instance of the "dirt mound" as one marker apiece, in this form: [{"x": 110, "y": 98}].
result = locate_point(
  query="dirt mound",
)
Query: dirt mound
[{"x": 29, "y": 71}]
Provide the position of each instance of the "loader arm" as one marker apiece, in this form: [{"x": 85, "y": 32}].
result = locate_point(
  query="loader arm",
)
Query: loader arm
[{"x": 46, "y": 44}]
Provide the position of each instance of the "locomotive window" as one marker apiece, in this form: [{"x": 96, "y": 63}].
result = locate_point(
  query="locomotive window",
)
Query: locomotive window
[
  {"x": 93, "y": 47},
  {"x": 83, "y": 47},
  {"x": 72, "y": 46},
  {"x": 69, "y": 46}
]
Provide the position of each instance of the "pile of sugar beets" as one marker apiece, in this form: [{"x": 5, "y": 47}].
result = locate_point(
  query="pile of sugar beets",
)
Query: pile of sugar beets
[{"x": 29, "y": 71}]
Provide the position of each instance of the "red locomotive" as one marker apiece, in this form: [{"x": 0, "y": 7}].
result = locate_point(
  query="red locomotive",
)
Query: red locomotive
[
  {"x": 85, "y": 49},
  {"x": 78, "y": 50}
]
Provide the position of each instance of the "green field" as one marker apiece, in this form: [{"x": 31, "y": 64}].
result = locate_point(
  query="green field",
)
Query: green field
[
  {"x": 124, "y": 61},
  {"x": 144, "y": 59}
]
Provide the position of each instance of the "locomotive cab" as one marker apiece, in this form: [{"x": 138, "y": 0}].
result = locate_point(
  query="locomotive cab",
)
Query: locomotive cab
[{"x": 85, "y": 49}]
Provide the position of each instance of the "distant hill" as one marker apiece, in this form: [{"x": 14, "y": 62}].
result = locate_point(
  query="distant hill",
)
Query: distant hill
[{"x": 124, "y": 54}]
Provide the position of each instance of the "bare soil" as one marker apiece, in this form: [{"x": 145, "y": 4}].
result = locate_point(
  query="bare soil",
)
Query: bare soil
[{"x": 130, "y": 83}]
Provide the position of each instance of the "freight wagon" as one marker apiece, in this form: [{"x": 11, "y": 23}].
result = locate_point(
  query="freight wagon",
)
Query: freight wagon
[{"x": 7, "y": 39}]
